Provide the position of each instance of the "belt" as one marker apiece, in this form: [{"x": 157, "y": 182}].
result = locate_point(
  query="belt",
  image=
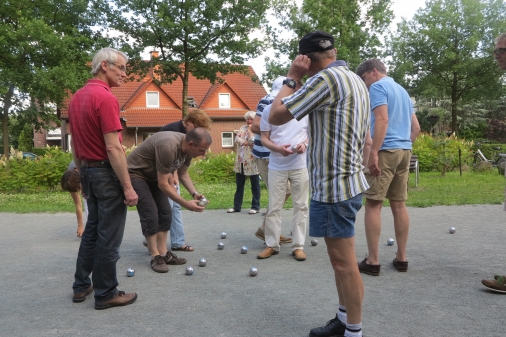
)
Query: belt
[{"x": 97, "y": 163}]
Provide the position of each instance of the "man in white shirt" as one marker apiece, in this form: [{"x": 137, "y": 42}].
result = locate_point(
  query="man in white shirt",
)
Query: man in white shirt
[{"x": 287, "y": 162}]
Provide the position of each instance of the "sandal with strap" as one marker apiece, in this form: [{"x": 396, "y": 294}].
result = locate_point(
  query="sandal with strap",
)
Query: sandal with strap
[
  {"x": 252, "y": 211},
  {"x": 185, "y": 248}
]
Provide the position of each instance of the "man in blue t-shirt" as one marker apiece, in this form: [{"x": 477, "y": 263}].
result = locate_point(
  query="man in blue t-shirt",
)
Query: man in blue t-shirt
[{"x": 394, "y": 127}]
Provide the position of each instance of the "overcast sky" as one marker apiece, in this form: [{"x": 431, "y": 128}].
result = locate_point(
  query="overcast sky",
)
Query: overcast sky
[{"x": 401, "y": 8}]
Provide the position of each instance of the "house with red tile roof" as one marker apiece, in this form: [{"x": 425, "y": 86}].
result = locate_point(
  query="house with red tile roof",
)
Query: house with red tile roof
[{"x": 145, "y": 107}]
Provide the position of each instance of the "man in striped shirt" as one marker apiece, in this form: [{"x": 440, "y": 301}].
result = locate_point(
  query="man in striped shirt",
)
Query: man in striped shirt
[{"x": 337, "y": 103}]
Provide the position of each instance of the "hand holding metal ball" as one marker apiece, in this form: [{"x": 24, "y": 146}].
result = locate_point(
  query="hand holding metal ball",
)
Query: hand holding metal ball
[{"x": 203, "y": 202}]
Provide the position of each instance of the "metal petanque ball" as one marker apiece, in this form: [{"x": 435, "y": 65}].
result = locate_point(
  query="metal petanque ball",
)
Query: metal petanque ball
[
  {"x": 223, "y": 235},
  {"x": 314, "y": 242},
  {"x": 244, "y": 250},
  {"x": 189, "y": 270},
  {"x": 253, "y": 271},
  {"x": 221, "y": 245},
  {"x": 452, "y": 230},
  {"x": 130, "y": 272},
  {"x": 202, "y": 262},
  {"x": 203, "y": 202},
  {"x": 294, "y": 148},
  {"x": 390, "y": 242}
]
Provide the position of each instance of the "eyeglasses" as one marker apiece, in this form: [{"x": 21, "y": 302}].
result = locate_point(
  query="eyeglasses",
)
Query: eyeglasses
[
  {"x": 499, "y": 51},
  {"x": 121, "y": 68}
]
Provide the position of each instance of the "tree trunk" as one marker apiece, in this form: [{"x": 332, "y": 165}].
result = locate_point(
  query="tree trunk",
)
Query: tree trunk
[
  {"x": 454, "y": 103},
  {"x": 185, "y": 89},
  {"x": 7, "y": 106}
]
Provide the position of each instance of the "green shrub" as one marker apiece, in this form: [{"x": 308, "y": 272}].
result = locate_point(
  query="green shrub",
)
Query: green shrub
[{"x": 214, "y": 168}]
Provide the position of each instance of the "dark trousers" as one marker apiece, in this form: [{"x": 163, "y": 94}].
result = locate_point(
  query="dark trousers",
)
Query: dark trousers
[
  {"x": 240, "y": 180},
  {"x": 153, "y": 207},
  {"x": 99, "y": 248}
]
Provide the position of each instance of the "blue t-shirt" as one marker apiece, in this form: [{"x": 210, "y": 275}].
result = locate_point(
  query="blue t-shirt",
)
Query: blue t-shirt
[{"x": 387, "y": 92}]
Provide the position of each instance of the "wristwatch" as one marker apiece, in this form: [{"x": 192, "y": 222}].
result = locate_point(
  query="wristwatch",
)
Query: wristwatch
[
  {"x": 193, "y": 194},
  {"x": 290, "y": 82}
]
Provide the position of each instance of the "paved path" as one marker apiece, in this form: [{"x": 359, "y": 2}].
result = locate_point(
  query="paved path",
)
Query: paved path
[{"x": 440, "y": 295}]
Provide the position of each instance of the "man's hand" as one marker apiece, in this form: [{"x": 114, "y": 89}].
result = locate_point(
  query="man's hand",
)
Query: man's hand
[
  {"x": 373, "y": 164},
  {"x": 130, "y": 196},
  {"x": 300, "y": 148},
  {"x": 285, "y": 150},
  {"x": 192, "y": 205},
  {"x": 299, "y": 68},
  {"x": 198, "y": 196}
]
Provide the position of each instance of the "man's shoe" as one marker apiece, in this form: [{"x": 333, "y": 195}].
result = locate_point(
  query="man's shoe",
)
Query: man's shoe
[
  {"x": 284, "y": 239},
  {"x": 171, "y": 258},
  {"x": 267, "y": 252},
  {"x": 120, "y": 299},
  {"x": 369, "y": 269},
  {"x": 401, "y": 266},
  {"x": 334, "y": 327},
  {"x": 299, "y": 255},
  {"x": 498, "y": 284},
  {"x": 158, "y": 264},
  {"x": 78, "y": 298},
  {"x": 260, "y": 234}
]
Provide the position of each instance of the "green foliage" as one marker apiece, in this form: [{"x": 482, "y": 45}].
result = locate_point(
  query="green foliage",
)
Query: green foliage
[
  {"x": 214, "y": 168},
  {"x": 357, "y": 27},
  {"x": 445, "y": 52},
  {"x": 26, "y": 138},
  {"x": 437, "y": 153},
  {"x": 18, "y": 174}
]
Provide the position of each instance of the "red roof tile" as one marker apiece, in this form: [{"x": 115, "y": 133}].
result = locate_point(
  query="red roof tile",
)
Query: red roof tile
[{"x": 150, "y": 117}]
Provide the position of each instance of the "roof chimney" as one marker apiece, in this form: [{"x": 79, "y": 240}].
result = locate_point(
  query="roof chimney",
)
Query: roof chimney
[{"x": 154, "y": 54}]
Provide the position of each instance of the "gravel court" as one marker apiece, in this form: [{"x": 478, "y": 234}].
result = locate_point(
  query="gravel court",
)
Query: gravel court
[{"x": 440, "y": 295}]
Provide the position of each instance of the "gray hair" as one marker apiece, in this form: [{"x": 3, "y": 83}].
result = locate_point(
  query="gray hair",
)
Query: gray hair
[
  {"x": 250, "y": 114},
  {"x": 322, "y": 55},
  {"x": 197, "y": 135},
  {"x": 500, "y": 38},
  {"x": 105, "y": 54},
  {"x": 369, "y": 65}
]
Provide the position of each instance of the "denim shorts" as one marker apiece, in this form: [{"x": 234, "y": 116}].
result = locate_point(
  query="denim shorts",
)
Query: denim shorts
[{"x": 336, "y": 220}]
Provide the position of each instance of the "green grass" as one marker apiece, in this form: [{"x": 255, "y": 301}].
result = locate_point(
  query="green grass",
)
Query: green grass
[{"x": 469, "y": 189}]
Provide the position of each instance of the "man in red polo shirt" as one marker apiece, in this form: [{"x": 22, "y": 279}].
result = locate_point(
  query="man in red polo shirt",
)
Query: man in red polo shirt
[{"x": 95, "y": 127}]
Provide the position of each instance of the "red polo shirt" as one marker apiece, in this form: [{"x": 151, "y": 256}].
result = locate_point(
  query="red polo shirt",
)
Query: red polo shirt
[{"x": 93, "y": 112}]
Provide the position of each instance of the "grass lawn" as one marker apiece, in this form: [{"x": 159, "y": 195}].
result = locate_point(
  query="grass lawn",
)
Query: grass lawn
[{"x": 453, "y": 189}]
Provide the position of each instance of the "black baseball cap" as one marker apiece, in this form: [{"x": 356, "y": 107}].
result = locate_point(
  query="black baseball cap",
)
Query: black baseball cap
[{"x": 316, "y": 41}]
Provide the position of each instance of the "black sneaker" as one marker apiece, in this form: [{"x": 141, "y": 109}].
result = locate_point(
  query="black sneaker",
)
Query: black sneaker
[
  {"x": 172, "y": 258},
  {"x": 333, "y": 328}
]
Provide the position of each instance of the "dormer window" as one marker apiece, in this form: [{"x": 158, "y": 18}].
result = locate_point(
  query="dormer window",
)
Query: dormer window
[
  {"x": 152, "y": 99},
  {"x": 191, "y": 102},
  {"x": 224, "y": 101}
]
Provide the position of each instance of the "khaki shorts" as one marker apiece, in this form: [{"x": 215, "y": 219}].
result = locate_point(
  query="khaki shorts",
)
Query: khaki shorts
[
  {"x": 263, "y": 168},
  {"x": 393, "y": 181}
]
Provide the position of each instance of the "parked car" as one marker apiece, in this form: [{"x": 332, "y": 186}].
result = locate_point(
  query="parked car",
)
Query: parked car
[{"x": 29, "y": 155}]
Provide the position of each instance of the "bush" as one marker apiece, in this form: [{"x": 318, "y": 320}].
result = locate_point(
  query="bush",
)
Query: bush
[{"x": 214, "y": 168}]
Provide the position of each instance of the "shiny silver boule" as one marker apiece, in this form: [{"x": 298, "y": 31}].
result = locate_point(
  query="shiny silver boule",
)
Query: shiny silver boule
[
  {"x": 452, "y": 230},
  {"x": 202, "y": 262},
  {"x": 390, "y": 242},
  {"x": 244, "y": 250},
  {"x": 294, "y": 148},
  {"x": 314, "y": 242},
  {"x": 221, "y": 245},
  {"x": 130, "y": 272},
  {"x": 223, "y": 235},
  {"x": 253, "y": 271},
  {"x": 189, "y": 270},
  {"x": 203, "y": 202}
]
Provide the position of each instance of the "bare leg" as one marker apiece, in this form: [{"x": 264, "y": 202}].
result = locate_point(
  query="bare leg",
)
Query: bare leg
[
  {"x": 372, "y": 220},
  {"x": 161, "y": 242},
  {"x": 348, "y": 281},
  {"x": 401, "y": 225},
  {"x": 152, "y": 245}
]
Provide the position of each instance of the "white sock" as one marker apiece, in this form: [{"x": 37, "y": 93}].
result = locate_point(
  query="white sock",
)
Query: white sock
[
  {"x": 353, "y": 330},
  {"x": 341, "y": 314}
]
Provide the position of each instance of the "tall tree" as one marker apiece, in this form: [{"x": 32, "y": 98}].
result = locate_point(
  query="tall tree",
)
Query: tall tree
[
  {"x": 45, "y": 48},
  {"x": 445, "y": 51},
  {"x": 356, "y": 25},
  {"x": 204, "y": 38}
]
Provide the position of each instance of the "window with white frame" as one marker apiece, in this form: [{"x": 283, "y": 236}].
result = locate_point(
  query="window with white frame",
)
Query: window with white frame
[
  {"x": 227, "y": 139},
  {"x": 224, "y": 101},
  {"x": 152, "y": 99}
]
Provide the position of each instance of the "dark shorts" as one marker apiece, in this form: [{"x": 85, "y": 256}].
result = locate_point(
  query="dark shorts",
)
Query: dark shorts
[
  {"x": 153, "y": 207},
  {"x": 335, "y": 220}
]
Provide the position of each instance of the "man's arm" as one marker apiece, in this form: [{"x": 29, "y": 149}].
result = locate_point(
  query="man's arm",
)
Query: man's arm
[
  {"x": 367, "y": 148},
  {"x": 255, "y": 127},
  {"x": 166, "y": 185},
  {"x": 119, "y": 164},
  {"x": 284, "y": 150},
  {"x": 380, "y": 131},
  {"x": 279, "y": 113},
  {"x": 415, "y": 128}
]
